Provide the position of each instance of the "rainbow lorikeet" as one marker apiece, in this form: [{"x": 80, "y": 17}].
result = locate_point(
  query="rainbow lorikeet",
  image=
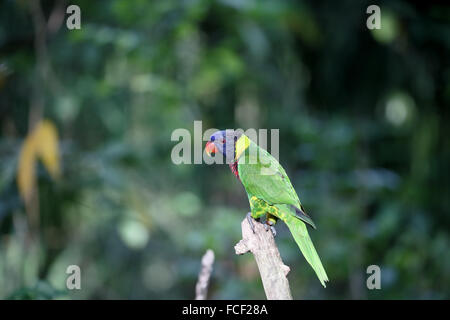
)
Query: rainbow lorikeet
[{"x": 269, "y": 189}]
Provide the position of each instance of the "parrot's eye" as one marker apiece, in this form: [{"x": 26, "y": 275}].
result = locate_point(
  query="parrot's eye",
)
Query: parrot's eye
[
  {"x": 213, "y": 138},
  {"x": 222, "y": 141}
]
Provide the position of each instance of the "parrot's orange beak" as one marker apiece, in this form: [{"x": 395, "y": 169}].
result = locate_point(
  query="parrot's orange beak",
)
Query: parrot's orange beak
[{"x": 211, "y": 148}]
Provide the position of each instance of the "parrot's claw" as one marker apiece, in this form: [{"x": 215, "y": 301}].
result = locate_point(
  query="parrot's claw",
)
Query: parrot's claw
[
  {"x": 272, "y": 228},
  {"x": 274, "y": 231},
  {"x": 250, "y": 221}
]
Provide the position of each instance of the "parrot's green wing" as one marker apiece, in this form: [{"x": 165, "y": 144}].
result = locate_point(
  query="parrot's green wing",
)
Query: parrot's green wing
[{"x": 264, "y": 177}]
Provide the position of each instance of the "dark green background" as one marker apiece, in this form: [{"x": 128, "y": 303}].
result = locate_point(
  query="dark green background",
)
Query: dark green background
[{"x": 363, "y": 118}]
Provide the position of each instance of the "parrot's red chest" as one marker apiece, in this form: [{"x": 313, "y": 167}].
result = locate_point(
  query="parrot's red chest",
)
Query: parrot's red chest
[{"x": 234, "y": 169}]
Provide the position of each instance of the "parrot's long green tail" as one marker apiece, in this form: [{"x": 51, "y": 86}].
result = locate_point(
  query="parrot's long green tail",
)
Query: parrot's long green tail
[{"x": 301, "y": 236}]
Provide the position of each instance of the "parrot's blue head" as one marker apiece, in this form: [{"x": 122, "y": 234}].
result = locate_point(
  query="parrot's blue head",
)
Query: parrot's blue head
[{"x": 224, "y": 142}]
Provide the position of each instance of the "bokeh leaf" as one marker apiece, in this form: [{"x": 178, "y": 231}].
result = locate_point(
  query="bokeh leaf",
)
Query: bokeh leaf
[
  {"x": 26, "y": 170},
  {"x": 41, "y": 143},
  {"x": 47, "y": 147}
]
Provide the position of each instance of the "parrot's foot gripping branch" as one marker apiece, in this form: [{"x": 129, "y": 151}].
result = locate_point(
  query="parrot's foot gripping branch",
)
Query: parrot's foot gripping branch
[
  {"x": 268, "y": 225},
  {"x": 250, "y": 221}
]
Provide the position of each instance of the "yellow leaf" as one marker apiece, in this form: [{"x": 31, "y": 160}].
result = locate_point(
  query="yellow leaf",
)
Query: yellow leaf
[
  {"x": 42, "y": 142},
  {"x": 26, "y": 170},
  {"x": 47, "y": 147}
]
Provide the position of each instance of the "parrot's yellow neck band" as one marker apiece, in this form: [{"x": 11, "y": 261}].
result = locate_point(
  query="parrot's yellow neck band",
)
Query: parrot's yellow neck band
[{"x": 241, "y": 145}]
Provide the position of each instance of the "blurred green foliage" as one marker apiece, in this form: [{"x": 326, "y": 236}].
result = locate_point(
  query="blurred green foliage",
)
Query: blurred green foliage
[{"x": 363, "y": 119}]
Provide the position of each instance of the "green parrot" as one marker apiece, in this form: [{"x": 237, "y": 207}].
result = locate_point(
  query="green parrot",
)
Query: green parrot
[{"x": 268, "y": 188}]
